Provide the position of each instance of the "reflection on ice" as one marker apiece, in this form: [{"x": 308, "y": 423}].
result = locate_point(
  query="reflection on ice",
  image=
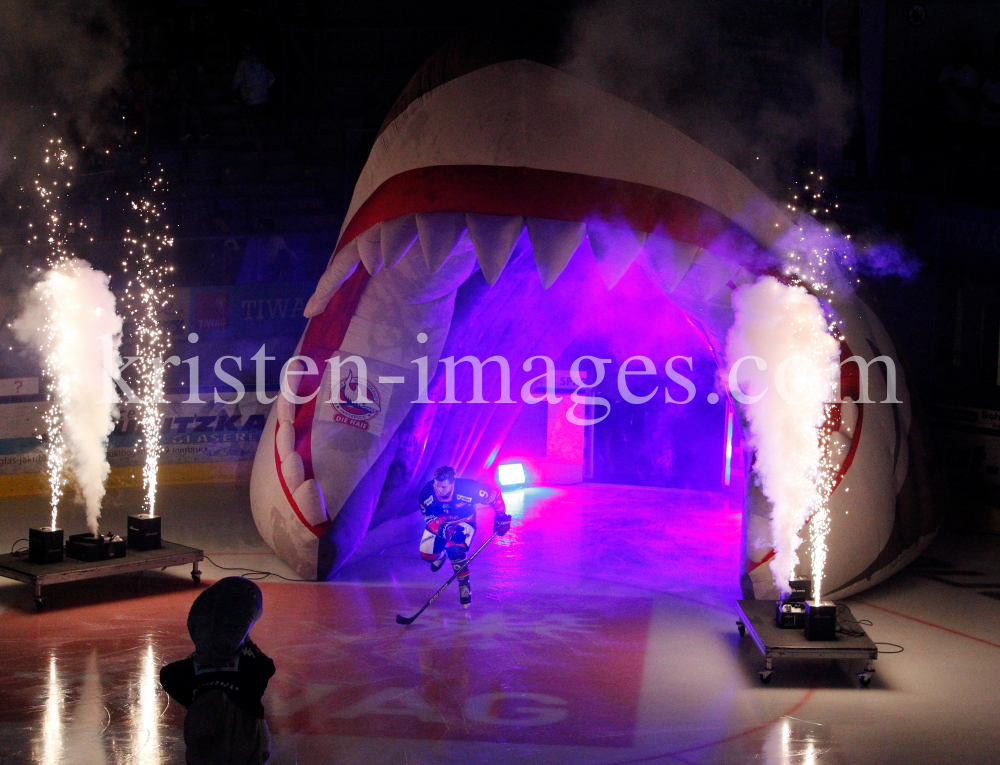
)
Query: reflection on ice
[
  {"x": 77, "y": 724},
  {"x": 798, "y": 742},
  {"x": 145, "y": 727},
  {"x": 514, "y": 500},
  {"x": 86, "y": 723},
  {"x": 52, "y": 734}
]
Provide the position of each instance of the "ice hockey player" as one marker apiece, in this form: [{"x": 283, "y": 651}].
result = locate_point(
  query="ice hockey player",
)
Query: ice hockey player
[{"x": 449, "y": 509}]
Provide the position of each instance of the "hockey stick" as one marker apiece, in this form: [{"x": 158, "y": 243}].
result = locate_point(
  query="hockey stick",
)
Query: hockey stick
[{"x": 400, "y": 619}]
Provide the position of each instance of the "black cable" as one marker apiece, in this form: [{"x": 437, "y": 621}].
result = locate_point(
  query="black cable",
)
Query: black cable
[
  {"x": 253, "y": 574},
  {"x": 894, "y": 645},
  {"x": 22, "y": 551},
  {"x": 844, "y": 628},
  {"x": 850, "y": 627}
]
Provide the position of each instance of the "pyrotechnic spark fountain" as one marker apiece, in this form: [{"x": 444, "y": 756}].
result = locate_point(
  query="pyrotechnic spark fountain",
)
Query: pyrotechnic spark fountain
[
  {"x": 146, "y": 295},
  {"x": 786, "y": 328},
  {"x": 825, "y": 262},
  {"x": 53, "y": 362},
  {"x": 69, "y": 311},
  {"x": 68, "y": 315},
  {"x": 819, "y": 259},
  {"x": 55, "y": 454},
  {"x": 819, "y": 524}
]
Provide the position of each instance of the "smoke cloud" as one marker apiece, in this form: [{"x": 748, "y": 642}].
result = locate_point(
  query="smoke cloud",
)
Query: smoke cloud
[
  {"x": 786, "y": 329},
  {"x": 743, "y": 79},
  {"x": 60, "y": 56},
  {"x": 883, "y": 259},
  {"x": 831, "y": 262},
  {"x": 69, "y": 317},
  {"x": 58, "y": 61}
]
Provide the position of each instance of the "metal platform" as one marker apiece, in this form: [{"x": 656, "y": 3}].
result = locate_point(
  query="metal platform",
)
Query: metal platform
[
  {"x": 70, "y": 570},
  {"x": 757, "y": 618}
]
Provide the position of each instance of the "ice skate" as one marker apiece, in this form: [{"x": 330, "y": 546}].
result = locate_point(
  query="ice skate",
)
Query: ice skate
[
  {"x": 436, "y": 565},
  {"x": 464, "y": 588}
]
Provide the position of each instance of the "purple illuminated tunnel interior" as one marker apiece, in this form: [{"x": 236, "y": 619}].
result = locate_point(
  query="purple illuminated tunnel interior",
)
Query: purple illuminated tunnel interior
[{"x": 654, "y": 443}]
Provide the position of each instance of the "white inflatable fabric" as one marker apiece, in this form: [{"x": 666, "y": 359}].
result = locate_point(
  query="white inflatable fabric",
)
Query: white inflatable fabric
[{"x": 518, "y": 154}]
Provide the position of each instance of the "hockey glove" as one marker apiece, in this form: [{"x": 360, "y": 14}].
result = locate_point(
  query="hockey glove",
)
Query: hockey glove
[{"x": 501, "y": 524}]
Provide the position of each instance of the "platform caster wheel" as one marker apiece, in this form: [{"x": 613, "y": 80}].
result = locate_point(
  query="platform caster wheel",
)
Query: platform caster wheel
[
  {"x": 742, "y": 628},
  {"x": 765, "y": 677},
  {"x": 39, "y": 604},
  {"x": 865, "y": 679},
  {"x": 196, "y": 578}
]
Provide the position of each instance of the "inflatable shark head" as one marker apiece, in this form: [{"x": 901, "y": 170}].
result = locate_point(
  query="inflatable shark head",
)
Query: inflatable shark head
[{"x": 521, "y": 187}]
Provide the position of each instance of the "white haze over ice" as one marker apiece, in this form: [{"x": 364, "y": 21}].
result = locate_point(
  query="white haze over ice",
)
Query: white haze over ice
[
  {"x": 69, "y": 317},
  {"x": 783, "y": 330}
]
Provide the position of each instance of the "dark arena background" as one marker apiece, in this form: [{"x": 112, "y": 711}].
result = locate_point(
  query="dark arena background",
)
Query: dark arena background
[{"x": 543, "y": 233}]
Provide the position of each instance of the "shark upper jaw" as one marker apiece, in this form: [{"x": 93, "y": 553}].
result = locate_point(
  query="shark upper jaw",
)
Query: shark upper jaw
[{"x": 452, "y": 209}]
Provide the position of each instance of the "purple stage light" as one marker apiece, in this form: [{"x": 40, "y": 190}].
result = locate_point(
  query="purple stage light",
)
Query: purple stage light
[{"x": 729, "y": 442}]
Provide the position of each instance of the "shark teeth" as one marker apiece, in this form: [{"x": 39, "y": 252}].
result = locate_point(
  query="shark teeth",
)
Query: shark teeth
[
  {"x": 398, "y": 236},
  {"x": 306, "y": 494},
  {"x": 309, "y": 498},
  {"x": 341, "y": 267},
  {"x": 707, "y": 276},
  {"x": 665, "y": 260},
  {"x": 439, "y": 233},
  {"x": 848, "y": 417},
  {"x": 554, "y": 242},
  {"x": 370, "y": 249},
  {"x": 837, "y": 449},
  {"x": 684, "y": 271},
  {"x": 615, "y": 248},
  {"x": 293, "y": 470},
  {"x": 286, "y": 409},
  {"x": 285, "y": 437},
  {"x": 494, "y": 237}
]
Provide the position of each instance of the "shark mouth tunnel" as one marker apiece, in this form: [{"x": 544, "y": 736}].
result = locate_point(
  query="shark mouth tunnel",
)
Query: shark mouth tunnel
[{"x": 500, "y": 204}]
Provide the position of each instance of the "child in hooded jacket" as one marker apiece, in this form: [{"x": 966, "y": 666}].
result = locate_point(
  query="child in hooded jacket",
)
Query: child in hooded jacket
[{"x": 222, "y": 682}]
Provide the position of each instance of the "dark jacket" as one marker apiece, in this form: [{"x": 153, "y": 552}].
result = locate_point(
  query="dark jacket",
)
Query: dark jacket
[{"x": 244, "y": 680}]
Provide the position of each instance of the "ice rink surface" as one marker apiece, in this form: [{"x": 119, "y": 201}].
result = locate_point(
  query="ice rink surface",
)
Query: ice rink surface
[{"x": 602, "y": 630}]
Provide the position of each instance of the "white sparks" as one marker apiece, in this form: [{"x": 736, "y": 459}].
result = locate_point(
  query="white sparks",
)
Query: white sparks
[
  {"x": 69, "y": 317},
  {"x": 146, "y": 296}
]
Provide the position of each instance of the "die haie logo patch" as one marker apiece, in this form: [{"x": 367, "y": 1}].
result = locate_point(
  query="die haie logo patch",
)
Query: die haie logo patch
[{"x": 348, "y": 410}]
